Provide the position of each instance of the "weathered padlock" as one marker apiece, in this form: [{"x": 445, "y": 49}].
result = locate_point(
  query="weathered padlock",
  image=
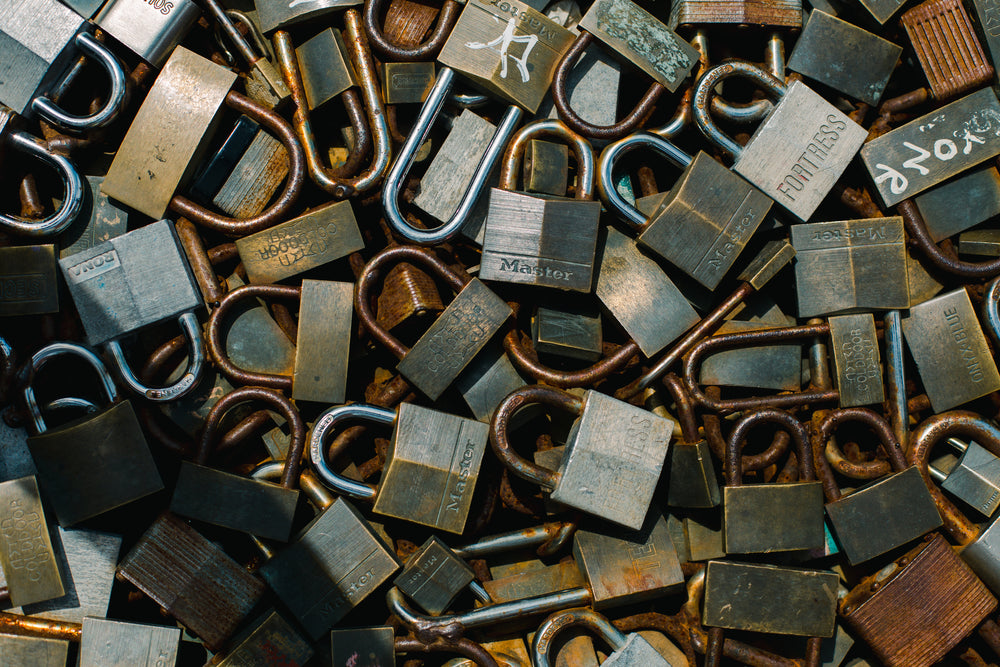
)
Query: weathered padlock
[
  {"x": 26, "y": 555},
  {"x": 856, "y": 360},
  {"x": 613, "y": 459},
  {"x": 434, "y": 452},
  {"x": 974, "y": 478},
  {"x": 150, "y": 28},
  {"x": 40, "y": 42},
  {"x": 629, "y": 649},
  {"x": 572, "y": 333},
  {"x": 325, "y": 67},
  {"x": 28, "y": 284},
  {"x": 770, "y": 13},
  {"x": 702, "y": 225},
  {"x": 407, "y": 83},
  {"x": 110, "y": 445},
  {"x": 434, "y": 575},
  {"x": 692, "y": 482},
  {"x": 35, "y": 651},
  {"x": 112, "y": 643},
  {"x": 985, "y": 15},
  {"x": 271, "y": 641},
  {"x": 800, "y": 150},
  {"x": 99, "y": 220}
]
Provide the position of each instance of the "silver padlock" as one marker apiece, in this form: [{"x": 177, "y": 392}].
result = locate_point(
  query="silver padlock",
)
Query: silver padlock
[
  {"x": 631, "y": 649},
  {"x": 151, "y": 28},
  {"x": 974, "y": 477}
]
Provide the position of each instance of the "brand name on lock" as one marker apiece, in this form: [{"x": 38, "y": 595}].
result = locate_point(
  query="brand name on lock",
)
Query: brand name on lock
[
  {"x": 529, "y": 23},
  {"x": 464, "y": 472},
  {"x": 859, "y": 351},
  {"x": 623, "y": 487},
  {"x": 93, "y": 267},
  {"x": 520, "y": 266},
  {"x": 349, "y": 590},
  {"x": 22, "y": 533},
  {"x": 162, "y": 5},
  {"x": 735, "y": 238},
  {"x": 957, "y": 330},
  {"x": 812, "y": 158},
  {"x": 28, "y": 287},
  {"x": 296, "y": 242}
]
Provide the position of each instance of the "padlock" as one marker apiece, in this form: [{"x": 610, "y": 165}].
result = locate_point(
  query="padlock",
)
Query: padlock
[
  {"x": 979, "y": 242},
  {"x": 612, "y": 462},
  {"x": 41, "y": 39},
  {"x": 947, "y": 342},
  {"x": 217, "y": 167},
  {"x": 571, "y": 333},
  {"x": 776, "y": 367},
  {"x": 507, "y": 652},
  {"x": 488, "y": 378},
  {"x": 542, "y": 240},
  {"x": 110, "y": 445},
  {"x": 631, "y": 649},
  {"x": 325, "y": 67},
  {"x": 960, "y": 203},
  {"x": 432, "y": 451},
  {"x": 974, "y": 478},
  {"x": 850, "y": 264},
  {"x": 235, "y": 502},
  {"x": 546, "y": 167},
  {"x": 527, "y": 579},
  {"x": 434, "y": 576},
  {"x": 271, "y": 641},
  {"x": 934, "y": 147},
  {"x": 985, "y": 15},
  {"x": 150, "y": 28},
  {"x": 770, "y": 13},
  {"x": 107, "y": 643},
  {"x": 28, "y": 284},
  {"x": 702, "y": 225},
  {"x": 256, "y": 176},
  {"x": 99, "y": 220},
  {"x": 453, "y": 340},
  {"x": 692, "y": 482},
  {"x": 800, "y": 150},
  {"x": 26, "y": 555},
  {"x": 275, "y": 14},
  {"x": 323, "y": 344},
  {"x": 856, "y": 360},
  {"x": 407, "y": 83},
  {"x": 35, "y": 651}
]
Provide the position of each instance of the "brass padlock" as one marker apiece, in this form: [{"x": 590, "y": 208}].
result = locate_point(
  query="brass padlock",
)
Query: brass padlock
[
  {"x": 488, "y": 378},
  {"x": 272, "y": 641},
  {"x": 856, "y": 360},
  {"x": 323, "y": 344},
  {"x": 770, "y": 13},
  {"x": 631, "y": 649},
  {"x": 105, "y": 642},
  {"x": 374, "y": 643},
  {"x": 109, "y": 445},
  {"x": 407, "y": 83},
  {"x": 974, "y": 478},
  {"x": 325, "y": 67},
  {"x": 800, "y": 150},
  {"x": 256, "y": 176},
  {"x": 26, "y": 555},
  {"x": 434, "y": 576},
  {"x": 613, "y": 459},
  {"x": 151, "y": 29},
  {"x": 546, "y": 167},
  {"x": 692, "y": 482},
  {"x": 28, "y": 283},
  {"x": 35, "y": 651},
  {"x": 432, "y": 451},
  {"x": 776, "y": 367}
]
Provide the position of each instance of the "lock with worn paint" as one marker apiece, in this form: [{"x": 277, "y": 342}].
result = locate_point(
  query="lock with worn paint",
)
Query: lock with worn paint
[
  {"x": 985, "y": 15},
  {"x": 251, "y": 182},
  {"x": 274, "y": 14},
  {"x": 434, "y": 576},
  {"x": 613, "y": 458},
  {"x": 374, "y": 643},
  {"x": 271, "y": 641},
  {"x": 99, "y": 220},
  {"x": 432, "y": 469},
  {"x": 109, "y": 642},
  {"x": 798, "y": 152},
  {"x": 150, "y": 28},
  {"x": 110, "y": 445},
  {"x": 974, "y": 477},
  {"x": 26, "y": 554},
  {"x": 630, "y": 649},
  {"x": 856, "y": 360},
  {"x": 770, "y": 13},
  {"x": 28, "y": 284}
]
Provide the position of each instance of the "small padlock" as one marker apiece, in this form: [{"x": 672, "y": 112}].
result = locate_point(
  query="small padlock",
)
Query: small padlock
[
  {"x": 985, "y": 15},
  {"x": 800, "y": 150},
  {"x": 856, "y": 360},
  {"x": 151, "y": 29},
  {"x": 28, "y": 283},
  {"x": 108, "y": 643},
  {"x": 770, "y": 13},
  {"x": 974, "y": 478},
  {"x": 488, "y": 378},
  {"x": 433, "y": 576},
  {"x": 407, "y": 83},
  {"x": 325, "y": 67},
  {"x": 776, "y": 367},
  {"x": 256, "y": 176},
  {"x": 271, "y": 641},
  {"x": 960, "y": 203},
  {"x": 26, "y": 555},
  {"x": 613, "y": 459},
  {"x": 531, "y": 578},
  {"x": 110, "y": 445}
]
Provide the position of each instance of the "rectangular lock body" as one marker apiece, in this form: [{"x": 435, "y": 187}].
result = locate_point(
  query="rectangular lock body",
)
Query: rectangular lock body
[
  {"x": 274, "y": 14},
  {"x": 768, "y": 598},
  {"x": 882, "y": 10},
  {"x": 642, "y": 39},
  {"x": 919, "y": 610},
  {"x": 827, "y": 51},
  {"x": 961, "y": 203},
  {"x": 934, "y": 147},
  {"x": 592, "y": 88},
  {"x": 106, "y": 643},
  {"x": 334, "y": 563},
  {"x": 569, "y": 333},
  {"x": 800, "y": 150},
  {"x": 540, "y": 240},
  {"x": 704, "y": 538},
  {"x": 766, "y": 518},
  {"x": 692, "y": 476},
  {"x": 374, "y": 643},
  {"x": 976, "y": 479},
  {"x": 431, "y": 472},
  {"x": 856, "y": 360},
  {"x": 255, "y": 178},
  {"x": 151, "y": 28},
  {"x": 509, "y": 49},
  {"x": 776, "y": 13},
  {"x": 883, "y": 515},
  {"x": 162, "y": 146},
  {"x": 705, "y": 221},
  {"x": 980, "y": 242},
  {"x": 981, "y": 556},
  {"x": 613, "y": 462},
  {"x": 850, "y": 264},
  {"x": 131, "y": 281},
  {"x": 623, "y": 567},
  {"x": 271, "y": 642},
  {"x": 952, "y": 355},
  {"x": 26, "y": 554},
  {"x": 34, "y": 651},
  {"x": 487, "y": 380},
  {"x": 193, "y": 579},
  {"x": 407, "y": 83},
  {"x": 767, "y": 367},
  {"x": 639, "y": 294},
  {"x": 546, "y": 167},
  {"x": 110, "y": 445},
  {"x": 534, "y": 580},
  {"x": 462, "y": 330},
  {"x": 98, "y": 221},
  {"x": 323, "y": 345},
  {"x": 325, "y": 67},
  {"x": 28, "y": 284},
  {"x": 433, "y": 576},
  {"x": 231, "y": 501}
]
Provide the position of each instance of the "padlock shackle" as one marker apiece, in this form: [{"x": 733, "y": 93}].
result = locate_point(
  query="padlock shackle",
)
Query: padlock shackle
[
  {"x": 606, "y": 164},
  {"x": 585, "y": 617},
  {"x": 320, "y": 435},
  {"x": 393, "y": 186},
  {"x": 510, "y": 168},
  {"x": 26, "y": 376},
  {"x": 499, "y": 439},
  {"x": 426, "y": 50},
  {"x": 462, "y": 646},
  {"x": 72, "y": 200},
  {"x": 560, "y": 97},
  {"x": 377, "y": 267},
  {"x": 296, "y": 426},
  {"x": 198, "y": 260},
  {"x": 333, "y": 181},
  {"x": 685, "y": 408},
  {"x": 185, "y": 384},
  {"x": 744, "y": 112},
  {"x": 705, "y": 90},
  {"x": 751, "y": 462},
  {"x": 283, "y": 203},
  {"x": 825, "y": 431},
  {"x": 56, "y": 115},
  {"x": 517, "y": 539},
  {"x": 737, "y": 439},
  {"x": 945, "y": 260}
]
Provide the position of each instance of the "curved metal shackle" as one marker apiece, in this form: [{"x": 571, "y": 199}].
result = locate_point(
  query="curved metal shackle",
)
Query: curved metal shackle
[
  {"x": 705, "y": 89},
  {"x": 320, "y": 433},
  {"x": 733, "y": 464},
  {"x": 185, "y": 384},
  {"x": 421, "y": 129},
  {"x": 517, "y": 399},
  {"x": 613, "y": 199},
  {"x": 550, "y": 128},
  {"x": 757, "y": 110},
  {"x": 559, "y": 621},
  {"x": 945, "y": 260},
  {"x": 426, "y": 50},
  {"x": 53, "y": 113},
  {"x": 463, "y": 646},
  {"x": 72, "y": 199},
  {"x": 823, "y": 440},
  {"x": 27, "y": 375},
  {"x": 991, "y": 308}
]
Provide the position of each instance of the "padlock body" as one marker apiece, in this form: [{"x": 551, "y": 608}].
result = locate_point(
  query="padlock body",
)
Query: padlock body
[
  {"x": 151, "y": 28},
  {"x": 407, "y": 83},
  {"x": 776, "y": 367},
  {"x": 117, "y": 644},
  {"x": 636, "y": 651},
  {"x": 34, "y": 651},
  {"x": 28, "y": 284},
  {"x": 961, "y": 203},
  {"x": 323, "y": 341},
  {"x": 271, "y": 642},
  {"x": 976, "y": 479},
  {"x": 433, "y": 576},
  {"x": 692, "y": 476},
  {"x": 983, "y": 556},
  {"x": 532, "y": 578},
  {"x": 26, "y": 553},
  {"x": 567, "y": 332},
  {"x": 274, "y": 14},
  {"x": 856, "y": 359},
  {"x": 764, "y": 518}
]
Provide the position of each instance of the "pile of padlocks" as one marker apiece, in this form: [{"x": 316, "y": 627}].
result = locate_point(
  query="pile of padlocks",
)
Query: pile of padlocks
[{"x": 504, "y": 332}]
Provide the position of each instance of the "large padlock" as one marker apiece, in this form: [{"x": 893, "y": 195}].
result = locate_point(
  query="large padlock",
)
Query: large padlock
[
  {"x": 26, "y": 555},
  {"x": 770, "y": 13},
  {"x": 631, "y": 649},
  {"x": 973, "y": 478},
  {"x": 800, "y": 150},
  {"x": 108, "y": 642},
  {"x": 109, "y": 445},
  {"x": 432, "y": 469},
  {"x": 150, "y": 28},
  {"x": 613, "y": 459}
]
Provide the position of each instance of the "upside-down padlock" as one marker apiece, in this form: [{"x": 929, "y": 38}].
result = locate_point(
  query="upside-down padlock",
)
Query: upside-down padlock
[
  {"x": 631, "y": 649},
  {"x": 960, "y": 203},
  {"x": 974, "y": 478},
  {"x": 856, "y": 359},
  {"x": 151, "y": 28}
]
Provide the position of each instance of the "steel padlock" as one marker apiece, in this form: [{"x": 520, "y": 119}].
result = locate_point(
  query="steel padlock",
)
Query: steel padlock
[
  {"x": 798, "y": 152},
  {"x": 613, "y": 458},
  {"x": 568, "y": 332},
  {"x": 702, "y": 225},
  {"x": 985, "y": 16},
  {"x": 856, "y": 360},
  {"x": 770, "y": 13},
  {"x": 131, "y": 282},
  {"x": 434, "y": 452},
  {"x": 434, "y": 575},
  {"x": 109, "y": 643},
  {"x": 150, "y": 28},
  {"x": 631, "y": 649},
  {"x": 109, "y": 445},
  {"x": 26, "y": 554},
  {"x": 974, "y": 478}
]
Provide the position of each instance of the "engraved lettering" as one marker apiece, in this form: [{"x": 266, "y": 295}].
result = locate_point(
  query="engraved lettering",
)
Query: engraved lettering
[
  {"x": 464, "y": 472},
  {"x": 24, "y": 541},
  {"x": 25, "y": 288},
  {"x": 520, "y": 266},
  {"x": 93, "y": 267},
  {"x": 957, "y": 330}
]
